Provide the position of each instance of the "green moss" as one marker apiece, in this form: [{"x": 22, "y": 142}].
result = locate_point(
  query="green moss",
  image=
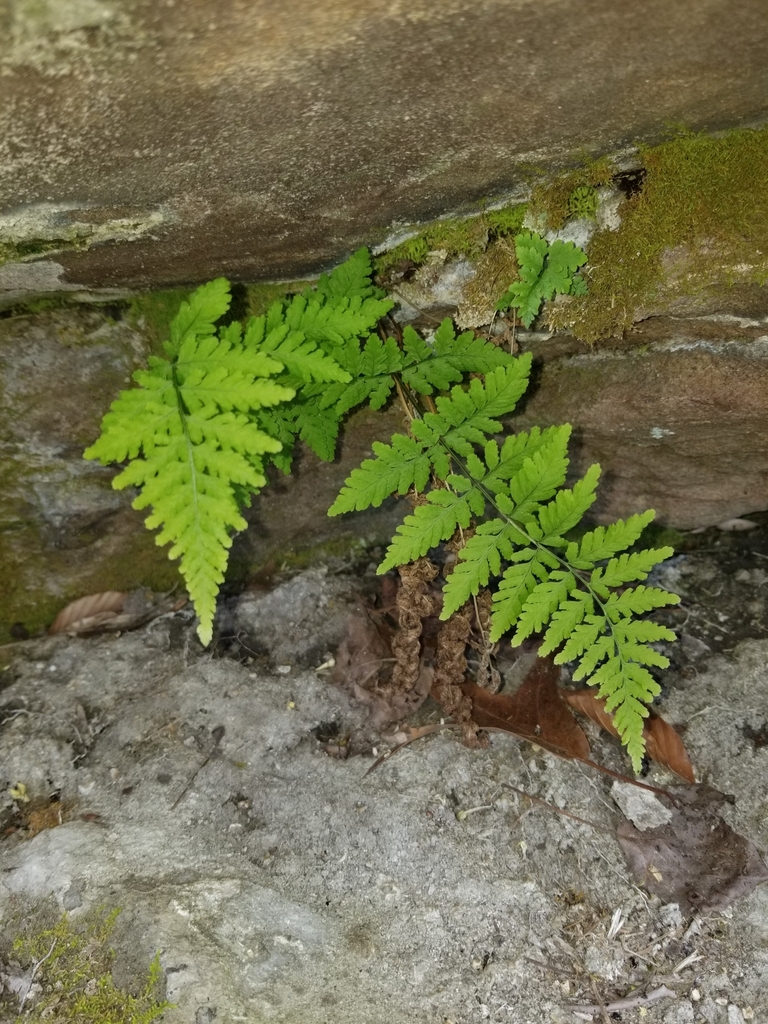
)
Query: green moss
[
  {"x": 571, "y": 194},
  {"x": 702, "y": 213},
  {"x": 259, "y": 297},
  {"x": 24, "y": 249},
  {"x": 151, "y": 314},
  {"x": 458, "y": 237},
  {"x": 582, "y": 202},
  {"x": 33, "y": 571},
  {"x": 74, "y": 968}
]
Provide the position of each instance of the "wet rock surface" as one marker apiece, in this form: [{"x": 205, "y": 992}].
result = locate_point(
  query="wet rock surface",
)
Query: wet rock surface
[{"x": 279, "y": 882}]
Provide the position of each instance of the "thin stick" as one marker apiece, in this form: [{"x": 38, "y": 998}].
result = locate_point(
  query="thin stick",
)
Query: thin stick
[
  {"x": 426, "y": 730},
  {"x": 629, "y": 1003},
  {"x": 35, "y": 969},
  {"x": 218, "y": 734}
]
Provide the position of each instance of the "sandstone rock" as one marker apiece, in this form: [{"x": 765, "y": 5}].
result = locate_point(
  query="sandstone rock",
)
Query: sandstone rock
[
  {"x": 145, "y": 144},
  {"x": 676, "y": 414}
]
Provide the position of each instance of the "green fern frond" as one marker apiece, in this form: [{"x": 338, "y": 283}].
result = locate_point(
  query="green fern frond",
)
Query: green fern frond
[
  {"x": 468, "y": 416},
  {"x": 349, "y": 279},
  {"x": 479, "y": 560},
  {"x": 197, "y": 316},
  {"x": 626, "y": 568},
  {"x": 627, "y": 688},
  {"x": 395, "y": 470},
  {"x": 370, "y": 370},
  {"x": 333, "y": 322},
  {"x": 301, "y": 357},
  {"x": 506, "y": 462},
  {"x": 587, "y": 643},
  {"x": 565, "y": 619},
  {"x": 317, "y": 338},
  {"x": 529, "y": 567},
  {"x": 606, "y": 541},
  {"x": 542, "y": 601},
  {"x": 317, "y": 427},
  {"x": 568, "y": 508},
  {"x": 191, "y": 419},
  {"x": 540, "y": 475},
  {"x": 637, "y": 600},
  {"x": 448, "y": 359},
  {"x": 576, "y": 598}
]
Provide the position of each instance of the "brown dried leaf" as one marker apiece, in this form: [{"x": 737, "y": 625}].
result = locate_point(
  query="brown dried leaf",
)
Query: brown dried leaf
[
  {"x": 414, "y": 604},
  {"x": 113, "y": 611},
  {"x": 535, "y": 712},
  {"x": 662, "y": 743},
  {"x": 87, "y": 613},
  {"x": 364, "y": 654},
  {"x": 696, "y": 860},
  {"x": 41, "y": 815}
]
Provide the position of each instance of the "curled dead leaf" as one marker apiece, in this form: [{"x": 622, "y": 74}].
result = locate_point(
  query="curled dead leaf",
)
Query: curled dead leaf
[
  {"x": 90, "y": 612},
  {"x": 662, "y": 742},
  {"x": 112, "y": 611}
]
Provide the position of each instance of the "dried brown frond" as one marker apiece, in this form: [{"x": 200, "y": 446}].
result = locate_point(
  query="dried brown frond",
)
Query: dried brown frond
[
  {"x": 488, "y": 675},
  {"x": 414, "y": 603},
  {"x": 450, "y": 673}
]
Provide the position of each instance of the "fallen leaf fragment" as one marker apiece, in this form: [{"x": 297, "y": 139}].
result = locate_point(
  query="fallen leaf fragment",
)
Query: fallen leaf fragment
[
  {"x": 111, "y": 611},
  {"x": 696, "y": 860},
  {"x": 89, "y": 612},
  {"x": 662, "y": 743},
  {"x": 46, "y": 814},
  {"x": 534, "y": 712},
  {"x": 363, "y": 665}
]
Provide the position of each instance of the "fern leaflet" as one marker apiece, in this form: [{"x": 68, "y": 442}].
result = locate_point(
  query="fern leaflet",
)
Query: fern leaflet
[{"x": 545, "y": 270}]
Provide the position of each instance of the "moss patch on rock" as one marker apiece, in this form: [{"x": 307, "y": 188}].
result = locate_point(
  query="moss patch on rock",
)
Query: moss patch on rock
[
  {"x": 467, "y": 236},
  {"x": 67, "y": 975},
  {"x": 152, "y": 312},
  {"x": 40, "y": 579},
  {"x": 700, "y": 220},
  {"x": 573, "y": 194}
]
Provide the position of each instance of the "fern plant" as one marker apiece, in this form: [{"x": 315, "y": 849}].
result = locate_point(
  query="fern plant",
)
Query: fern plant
[
  {"x": 545, "y": 271},
  {"x": 576, "y": 593},
  {"x": 202, "y": 424}
]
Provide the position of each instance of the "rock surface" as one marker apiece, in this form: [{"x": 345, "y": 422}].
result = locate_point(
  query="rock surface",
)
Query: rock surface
[
  {"x": 282, "y": 884},
  {"x": 675, "y": 414},
  {"x": 145, "y": 143},
  {"x": 64, "y": 531}
]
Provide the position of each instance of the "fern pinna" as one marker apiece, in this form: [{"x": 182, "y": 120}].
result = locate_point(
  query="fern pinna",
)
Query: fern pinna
[{"x": 575, "y": 593}]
